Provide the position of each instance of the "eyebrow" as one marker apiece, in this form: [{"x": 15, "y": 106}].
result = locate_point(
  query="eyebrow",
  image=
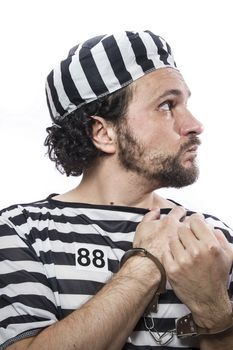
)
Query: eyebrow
[{"x": 174, "y": 92}]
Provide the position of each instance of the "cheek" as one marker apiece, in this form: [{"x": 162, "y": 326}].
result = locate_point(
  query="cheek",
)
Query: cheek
[
  {"x": 161, "y": 140},
  {"x": 159, "y": 134}
]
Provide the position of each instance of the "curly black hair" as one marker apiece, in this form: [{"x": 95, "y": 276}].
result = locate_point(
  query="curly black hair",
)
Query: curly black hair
[{"x": 69, "y": 140}]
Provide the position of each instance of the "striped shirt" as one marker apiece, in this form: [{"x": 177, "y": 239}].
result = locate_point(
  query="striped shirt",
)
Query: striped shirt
[{"x": 54, "y": 256}]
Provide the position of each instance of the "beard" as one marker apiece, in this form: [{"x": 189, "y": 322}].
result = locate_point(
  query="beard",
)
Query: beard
[{"x": 163, "y": 169}]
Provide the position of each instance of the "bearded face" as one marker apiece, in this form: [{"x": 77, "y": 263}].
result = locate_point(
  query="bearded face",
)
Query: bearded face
[{"x": 166, "y": 169}]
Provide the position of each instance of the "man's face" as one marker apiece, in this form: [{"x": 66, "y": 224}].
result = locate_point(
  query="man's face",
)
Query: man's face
[{"x": 158, "y": 138}]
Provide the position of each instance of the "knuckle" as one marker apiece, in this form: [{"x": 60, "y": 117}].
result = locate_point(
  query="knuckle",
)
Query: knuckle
[
  {"x": 196, "y": 254},
  {"x": 174, "y": 273},
  {"x": 214, "y": 249}
]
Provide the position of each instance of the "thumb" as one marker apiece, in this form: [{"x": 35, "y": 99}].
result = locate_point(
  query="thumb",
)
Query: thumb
[{"x": 153, "y": 214}]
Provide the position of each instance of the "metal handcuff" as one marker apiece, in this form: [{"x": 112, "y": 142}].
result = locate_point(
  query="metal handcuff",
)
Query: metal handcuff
[{"x": 185, "y": 326}]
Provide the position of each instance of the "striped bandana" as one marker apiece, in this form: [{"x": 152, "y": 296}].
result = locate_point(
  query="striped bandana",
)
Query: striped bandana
[{"x": 102, "y": 65}]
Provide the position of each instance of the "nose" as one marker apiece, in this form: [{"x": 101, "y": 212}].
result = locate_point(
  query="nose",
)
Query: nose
[{"x": 190, "y": 125}]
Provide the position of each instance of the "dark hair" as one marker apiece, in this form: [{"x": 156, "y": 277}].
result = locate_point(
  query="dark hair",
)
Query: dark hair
[{"x": 69, "y": 140}]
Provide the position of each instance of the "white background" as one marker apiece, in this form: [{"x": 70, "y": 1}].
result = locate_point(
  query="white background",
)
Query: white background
[{"x": 35, "y": 35}]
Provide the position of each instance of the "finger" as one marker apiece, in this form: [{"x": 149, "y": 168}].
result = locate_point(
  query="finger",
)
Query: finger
[
  {"x": 176, "y": 247},
  {"x": 200, "y": 228},
  {"x": 223, "y": 241},
  {"x": 187, "y": 237},
  {"x": 153, "y": 214},
  {"x": 167, "y": 260},
  {"x": 186, "y": 220},
  {"x": 178, "y": 213}
]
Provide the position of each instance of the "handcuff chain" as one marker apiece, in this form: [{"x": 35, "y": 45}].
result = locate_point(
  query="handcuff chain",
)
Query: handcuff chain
[{"x": 159, "y": 339}]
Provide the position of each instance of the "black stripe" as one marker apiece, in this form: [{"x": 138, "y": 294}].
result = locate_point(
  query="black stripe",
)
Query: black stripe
[
  {"x": 90, "y": 43},
  {"x": 161, "y": 324},
  {"x": 115, "y": 58},
  {"x": 6, "y": 231},
  {"x": 54, "y": 95},
  {"x": 140, "y": 52},
  {"x": 124, "y": 226},
  {"x": 19, "y": 219},
  {"x": 81, "y": 287},
  {"x": 22, "y": 319},
  {"x": 66, "y": 312},
  {"x": 169, "y": 298},
  {"x": 170, "y": 52},
  {"x": 163, "y": 54},
  {"x": 72, "y": 50},
  {"x": 17, "y": 254},
  {"x": 113, "y": 265},
  {"x": 68, "y": 84},
  {"x": 74, "y": 237},
  {"x": 22, "y": 276},
  {"x": 57, "y": 258},
  {"x": 91, "y": 71},
  {"x": 35, "y": 301}
]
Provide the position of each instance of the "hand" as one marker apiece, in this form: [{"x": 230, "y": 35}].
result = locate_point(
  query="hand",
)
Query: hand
[
  {"x": 153, "y": 233},
  {"x": 197, "y": 266}
]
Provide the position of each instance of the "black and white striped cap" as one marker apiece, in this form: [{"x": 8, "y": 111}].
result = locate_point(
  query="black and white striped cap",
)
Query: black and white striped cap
[{"x": 102, "y": 65}]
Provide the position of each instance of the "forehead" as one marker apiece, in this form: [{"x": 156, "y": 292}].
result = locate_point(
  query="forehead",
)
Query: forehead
[{"x": 157, "y": 83}]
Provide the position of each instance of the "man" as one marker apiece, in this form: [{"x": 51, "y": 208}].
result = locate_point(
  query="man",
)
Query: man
[{"x": 119, "y": 107}]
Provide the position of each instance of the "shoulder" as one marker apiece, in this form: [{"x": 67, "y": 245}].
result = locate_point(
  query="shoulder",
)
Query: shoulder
[
  {"x": 16, "y": 209},
  {"x": 18, "y": 217}
]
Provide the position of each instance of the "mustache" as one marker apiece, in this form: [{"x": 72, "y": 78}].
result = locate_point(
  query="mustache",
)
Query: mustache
[{"x": 193, "y": 141}]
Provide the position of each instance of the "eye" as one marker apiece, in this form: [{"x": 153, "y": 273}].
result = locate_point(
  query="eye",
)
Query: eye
[{"x": 166, "y": 106}]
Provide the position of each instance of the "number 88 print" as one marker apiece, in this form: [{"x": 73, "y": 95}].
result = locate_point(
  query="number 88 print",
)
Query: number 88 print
[{"x": 89, "y": 257}]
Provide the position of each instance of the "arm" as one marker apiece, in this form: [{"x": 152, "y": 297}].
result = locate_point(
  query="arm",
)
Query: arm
[
  {"x": 108, "y": 318},
  {"x": 198, "y": 266}
]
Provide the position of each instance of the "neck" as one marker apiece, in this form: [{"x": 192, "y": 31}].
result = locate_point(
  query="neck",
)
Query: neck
[{"x": 110, "y": 184}]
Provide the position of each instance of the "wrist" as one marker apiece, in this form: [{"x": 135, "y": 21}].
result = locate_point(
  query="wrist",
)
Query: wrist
[
  {"x": 215, "y": 318},
  {"x": 143, "y": 270},
  {"x": 147, "y": 256},
  {"x": 188, "y": 325}
]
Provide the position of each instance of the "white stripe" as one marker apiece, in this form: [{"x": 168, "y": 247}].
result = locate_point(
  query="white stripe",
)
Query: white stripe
[
  {"x": 73, "y": 301},
  {"x": 51, "y": 104},
  {"x": 8, "y": 266},
  {"x": 16, "y": 309},
  {"x": 79, "y": 228},
  {"x": 79, "y": 78},
  {"x": 59, "y": 246},
  {"x": 63, "y": 98},
  {"x": 144, "y": 338},
  {"x": 129, "y": 57},
  {"x": 11, "y": 242},
  {"x": 152, "y": 50},
  {"x": 105, "y": 69},
  {"x": 69, "y": 211},
  {"x": 28, "y": 288},
  {"x": 15, "y": 329},
  {"x": 69, "y": 272}
]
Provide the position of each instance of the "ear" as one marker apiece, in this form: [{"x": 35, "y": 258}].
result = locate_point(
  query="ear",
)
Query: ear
[{"x": 103, "y": 135}]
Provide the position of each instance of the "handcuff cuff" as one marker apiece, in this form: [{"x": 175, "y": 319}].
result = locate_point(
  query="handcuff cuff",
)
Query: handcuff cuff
[{"x": 184, "y": 326}]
